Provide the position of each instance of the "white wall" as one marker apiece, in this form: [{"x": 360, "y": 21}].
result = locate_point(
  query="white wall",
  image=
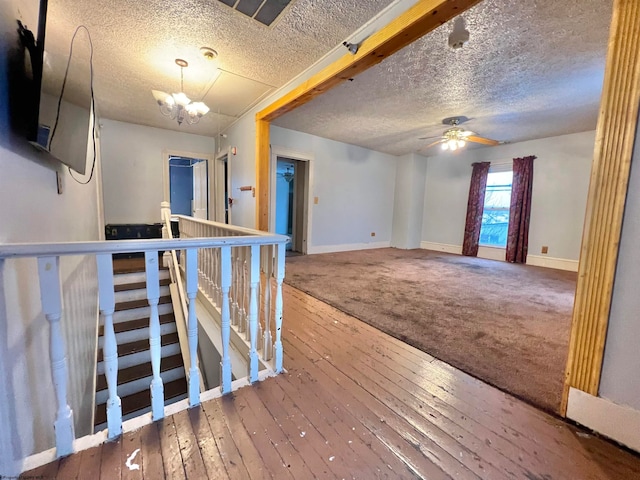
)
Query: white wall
[
  {"x": 408, "y": 205},
  {"x": 620, "y": 382},
  {"x": 355, "y": 189},
  {"x": 561, "y": 181},
  {"x": 132, "y": 168},
  {"x": 32, "y": 211}
]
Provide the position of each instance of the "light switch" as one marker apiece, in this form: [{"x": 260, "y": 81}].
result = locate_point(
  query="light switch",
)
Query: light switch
[{"x": 315, "y": 200}]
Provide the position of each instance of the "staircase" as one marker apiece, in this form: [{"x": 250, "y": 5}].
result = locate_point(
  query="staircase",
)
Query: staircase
[{"x": 131, "y": 325}]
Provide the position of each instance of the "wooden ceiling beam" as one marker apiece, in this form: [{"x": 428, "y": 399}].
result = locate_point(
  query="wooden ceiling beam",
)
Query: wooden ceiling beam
[{"x": 424, "y": 17}]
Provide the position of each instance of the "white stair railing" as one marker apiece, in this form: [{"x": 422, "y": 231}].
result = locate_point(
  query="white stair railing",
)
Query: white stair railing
[
  {"x": 218, "y": 271},
  {"x": 253, "y": 303}
]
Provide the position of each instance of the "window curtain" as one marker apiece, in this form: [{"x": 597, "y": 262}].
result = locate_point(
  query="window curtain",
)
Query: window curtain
[
  {"x": 475, "y": 206},
  {"x": 520, "y": 210}
]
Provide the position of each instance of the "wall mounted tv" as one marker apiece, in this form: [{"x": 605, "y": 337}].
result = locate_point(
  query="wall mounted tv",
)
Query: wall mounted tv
[{"x": 59, "y": 126}]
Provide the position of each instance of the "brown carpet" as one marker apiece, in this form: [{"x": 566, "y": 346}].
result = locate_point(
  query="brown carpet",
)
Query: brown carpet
[{"x": 506, "y": 324}]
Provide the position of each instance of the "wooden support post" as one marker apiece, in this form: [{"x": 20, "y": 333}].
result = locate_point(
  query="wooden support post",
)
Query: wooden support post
[
  {"x": 615, "y": 138},
  {"x": 153, "y": 296},
  {"x": 192, "y": 290},
  {"x": 51, "y": 298},
  {"x": 110, "y": 347}
]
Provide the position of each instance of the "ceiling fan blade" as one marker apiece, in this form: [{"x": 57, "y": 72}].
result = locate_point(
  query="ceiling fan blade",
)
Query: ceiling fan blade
[
  {"x": 466, "y": 133},
  {"x": 432, "y": 136},
  {"x": 432, "y": 144},
  {"x": 484, "y": 141}
]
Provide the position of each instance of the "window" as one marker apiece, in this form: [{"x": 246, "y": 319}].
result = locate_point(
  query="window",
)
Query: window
[{"x": 495, "y": 216}]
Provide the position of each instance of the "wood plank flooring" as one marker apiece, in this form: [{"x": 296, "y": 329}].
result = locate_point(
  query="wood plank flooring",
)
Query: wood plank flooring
[{"x": 355, "y": 403}]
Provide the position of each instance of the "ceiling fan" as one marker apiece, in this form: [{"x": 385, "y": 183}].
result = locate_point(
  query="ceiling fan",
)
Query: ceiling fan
[{"x": 456, "y": 137}]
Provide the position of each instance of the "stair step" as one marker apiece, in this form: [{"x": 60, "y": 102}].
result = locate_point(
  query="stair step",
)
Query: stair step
[
  {"x": 141, "y": 357},
  {"x": 136, "y": 372},
  {"x": 131, "y": 265},
  {"x": 142, "y": 400},
  {"x": 139, "y": 285},
  {"x": 135, "y": 324},
  {"x": 139, "y": 313},
  {"x": 103, "y": 426},
  {"x": 125, "y": 296},
  {"x": 141, "y": 384},
  {"x": 141, "y": 345},
  {"x": 129, "y": 336},
  {"x": 140, "y": 303},
  {"x": 136, "y": 277}
]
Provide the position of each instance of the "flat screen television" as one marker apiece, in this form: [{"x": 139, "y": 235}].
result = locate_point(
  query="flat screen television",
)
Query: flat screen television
[{"x": 44, "y": 111}]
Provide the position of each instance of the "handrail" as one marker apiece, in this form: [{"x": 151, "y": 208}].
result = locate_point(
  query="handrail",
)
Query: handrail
[
  {"x": 182, "y": 297},
  {"x": 18, "y": 250},
  {"x": 226, "y": 226}
]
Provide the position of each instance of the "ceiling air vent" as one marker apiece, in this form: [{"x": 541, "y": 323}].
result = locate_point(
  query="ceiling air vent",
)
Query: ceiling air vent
[{"x": 263, "y": 11}]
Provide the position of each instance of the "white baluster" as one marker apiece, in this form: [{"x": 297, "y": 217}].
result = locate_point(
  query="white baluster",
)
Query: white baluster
[
  {"x": 234, "y": 286},
  {"x": 218, "y": 278},
  {"x": 110, "y": 347},
  {"x": 153, "y": 295},
  {"x": 254, "y": 282},
  {"x": 267, "y": 344},
  {"x": 51, "y": 298},
  {"x": 279, "y": 274},
  {"x": 225, "y": 283},
  {"x": 242, "y": 326},
  {"x": 211, "y": 283},
  {"x": 192, "y": 290}
]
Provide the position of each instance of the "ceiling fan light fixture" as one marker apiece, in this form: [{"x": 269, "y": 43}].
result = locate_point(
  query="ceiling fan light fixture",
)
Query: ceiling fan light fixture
[{"x": 445, "y": 145}]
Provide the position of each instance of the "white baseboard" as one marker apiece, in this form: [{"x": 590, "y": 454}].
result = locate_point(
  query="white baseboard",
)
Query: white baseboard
[
  {"x": 442, "y": 247},
  {"x": 347, "y": 247},
  {"x": 492, "y": 253},
  {"x": 617, "y": 422},
  {"x": 552, "y": 262}
]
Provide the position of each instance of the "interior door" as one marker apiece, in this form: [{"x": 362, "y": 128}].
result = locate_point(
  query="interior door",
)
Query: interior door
[{"x": 199, "y": 205}]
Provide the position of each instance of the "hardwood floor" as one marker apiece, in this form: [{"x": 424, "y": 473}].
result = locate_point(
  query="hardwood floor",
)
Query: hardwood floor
[{"x": 355, "y": 403}]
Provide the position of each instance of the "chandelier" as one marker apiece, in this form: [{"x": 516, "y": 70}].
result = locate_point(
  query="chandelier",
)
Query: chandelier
[
  {"x": 178, "y": 106},
  {"x": 288, "y": 175},
  {"x": 454, "y": 138}
]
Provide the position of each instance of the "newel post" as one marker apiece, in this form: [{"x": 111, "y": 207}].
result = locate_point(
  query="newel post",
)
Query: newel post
[
  {"x": 254, "y": 282},
  {"x": 225, "y": 284},
  {"x": 279, "y": 274},
  {"x": 192, "y": 290},
  {"x": 153, "y": 296},
  {"x": 51, "y": 297}
]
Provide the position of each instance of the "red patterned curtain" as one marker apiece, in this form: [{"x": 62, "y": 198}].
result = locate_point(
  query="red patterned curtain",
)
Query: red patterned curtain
[
  {"x": 520, "y": 210},
  {"x": 475, "y": 206}
]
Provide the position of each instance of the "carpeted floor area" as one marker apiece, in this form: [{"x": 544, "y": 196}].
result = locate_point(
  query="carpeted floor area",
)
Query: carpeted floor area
[{"x": 506, "y": 324}]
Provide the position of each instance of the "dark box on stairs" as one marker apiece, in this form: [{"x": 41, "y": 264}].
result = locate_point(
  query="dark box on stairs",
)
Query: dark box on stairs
[{"x": 133, "y": 231}]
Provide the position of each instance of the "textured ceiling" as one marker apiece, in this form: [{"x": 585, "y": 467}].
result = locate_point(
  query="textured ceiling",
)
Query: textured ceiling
[
  {"x": 530, "y": 70},
  {"x": 135, "y": 44}
]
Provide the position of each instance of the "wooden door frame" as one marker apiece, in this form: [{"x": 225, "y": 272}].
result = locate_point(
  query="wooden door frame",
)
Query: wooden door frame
[
  {"x": 308, "y": 158},
  {"x": 615, "y": 137},
  {"x": 167, "y": 154},
  {"x": 219, "y": 158}
]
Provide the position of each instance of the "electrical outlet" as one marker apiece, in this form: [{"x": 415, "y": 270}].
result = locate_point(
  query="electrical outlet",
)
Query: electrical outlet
[
  {"x": 545, "y": 249},
  {"x": 373, "y": 234}
]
